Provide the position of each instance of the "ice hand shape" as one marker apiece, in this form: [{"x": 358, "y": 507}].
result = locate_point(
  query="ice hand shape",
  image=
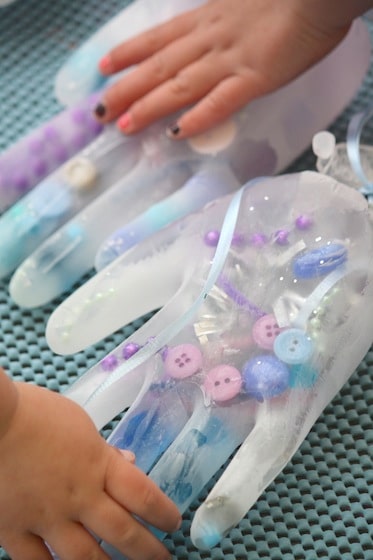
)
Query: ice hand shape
[
  {"x": 80, "y": 76},
  {"x": 266, "y": 311},
  {"x": 24, "y": 164}
]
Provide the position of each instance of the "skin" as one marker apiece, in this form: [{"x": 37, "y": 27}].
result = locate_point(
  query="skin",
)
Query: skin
[
  {"x": 212, "y": 61},
  {"x": 59, "y": 480}
]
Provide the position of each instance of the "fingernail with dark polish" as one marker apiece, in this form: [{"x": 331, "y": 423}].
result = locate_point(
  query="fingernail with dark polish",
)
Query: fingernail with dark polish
[
  {"x": 100, "y": 110},
  {"x": 173, "y": 130}
]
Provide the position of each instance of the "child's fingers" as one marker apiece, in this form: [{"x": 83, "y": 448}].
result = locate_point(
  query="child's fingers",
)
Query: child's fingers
[
  {"x": 167, "y": 64},
  {"x": 228, "y": 96},
  {"x": 28, "y": 547},
  {"x": 116, "y": 526},
  {"x": 71, "y": 541},
  {"x": 188, "y": 87},
  {"x": 133, "y": 490},
  {"x": 147, "y": 44}
]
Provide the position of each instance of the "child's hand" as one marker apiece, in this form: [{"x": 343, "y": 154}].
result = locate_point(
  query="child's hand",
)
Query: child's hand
[
  {"x": 215, "y": 59},
  {"x": 59, "y": 481}
]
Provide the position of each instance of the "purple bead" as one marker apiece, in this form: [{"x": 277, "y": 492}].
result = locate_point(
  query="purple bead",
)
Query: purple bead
[
  {"x": 39, "y": 167},
  {"x": 281, "y": 237},
  {"x": 212, "y": 238},
  {"x": 59, "y": 153},
  {"x": 50, "y": 133},
  {"x": 303, "y": 222},
  {"x": 238, "y": 240},
  {"x": 258, "y": 239},
  {"x": 78, "y": 139},
  {"x": 130, "y": 349},
  {"x": 78, "y": 116},
  {"x": 20, "y": 183},
  {"x": 109, "y": 363},
  {"x": 94, "y": 126},
  {"x": 36, "y": 145}
]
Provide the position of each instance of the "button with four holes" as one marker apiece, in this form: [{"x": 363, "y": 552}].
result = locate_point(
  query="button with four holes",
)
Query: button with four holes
[
  {"x": 265, "y": 330},
  {"x": 223, "y": 383},
  {"x": 293, "y": 346},
  {"x": 182, "y": 361}
]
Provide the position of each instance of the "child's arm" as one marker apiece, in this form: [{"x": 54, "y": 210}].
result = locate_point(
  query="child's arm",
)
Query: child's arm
[
  {"x": 217, "y": 58},
  {"x": 60, "y": 481}
]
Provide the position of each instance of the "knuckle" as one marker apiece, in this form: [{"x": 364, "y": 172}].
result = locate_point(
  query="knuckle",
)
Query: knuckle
[
  {"x": 151, "y": 39},
  {"x": 217, "y": 102},
  {"x": 149, "y": 498},
  {"x": 158, "y": 66},
  {"x": 128, "y": 537},
  {"x": 180, "y": 86},
  {"x": 89, "y": 552}
]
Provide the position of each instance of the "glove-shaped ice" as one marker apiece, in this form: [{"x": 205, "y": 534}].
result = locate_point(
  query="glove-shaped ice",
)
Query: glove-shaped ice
[
  {"x": 62, "y": 194},
  {"x": 79, "y": 76},
  {"x": 147, "y": 199},
  {"x": 36, "y": 155},
  {"x": 266, "y": 302}
]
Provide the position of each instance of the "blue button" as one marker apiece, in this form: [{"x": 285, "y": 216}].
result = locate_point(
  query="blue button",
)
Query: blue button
[
  {"x": 321, "y": 261},
  {"x": 293, "y": 346},
  {"x": 265, "y": 377}
]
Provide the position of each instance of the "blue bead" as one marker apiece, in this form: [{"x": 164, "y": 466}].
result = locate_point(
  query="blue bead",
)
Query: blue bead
[
  {"x": 293, "y": 346},
  {"x": 265, "y": 377},
  {"x": 320, "y": 262}
]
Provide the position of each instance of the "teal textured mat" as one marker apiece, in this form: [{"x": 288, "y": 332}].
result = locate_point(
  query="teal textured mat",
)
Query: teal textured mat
[{"x": 321, "y": 504}]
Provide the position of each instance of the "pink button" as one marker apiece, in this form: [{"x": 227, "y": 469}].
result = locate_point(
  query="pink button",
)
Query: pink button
[
  {"x": 265, "y": 331},
  {"x": 183, "y": 360},
  {"x": 223, "y": 383}
]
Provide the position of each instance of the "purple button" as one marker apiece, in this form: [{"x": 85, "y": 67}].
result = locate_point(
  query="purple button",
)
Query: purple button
[
  {"x": 223, "y": 383},
  {"x": 265, "y": 377},
  {"x": 183, "y": 360},
  {"x": 265, "y": 331}
]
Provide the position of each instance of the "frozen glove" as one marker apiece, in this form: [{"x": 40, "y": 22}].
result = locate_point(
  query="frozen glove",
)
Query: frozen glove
[
  {"x": 36, "y": 155},
  {"x": 266, "y": 300},
  {"x": 80, "y": 76}
]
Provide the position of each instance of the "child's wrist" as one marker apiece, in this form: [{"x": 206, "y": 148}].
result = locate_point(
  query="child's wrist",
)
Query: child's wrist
[
  {"x": 8, "y": 402},
  {"x": 336, "y": 14}
]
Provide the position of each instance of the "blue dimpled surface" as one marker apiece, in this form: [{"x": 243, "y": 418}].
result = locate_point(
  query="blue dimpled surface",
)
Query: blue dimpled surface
[
  {"x": 265, "y": 377},
  {"x": 321, "y": 261},
  {"x": 320, "y": 505}
]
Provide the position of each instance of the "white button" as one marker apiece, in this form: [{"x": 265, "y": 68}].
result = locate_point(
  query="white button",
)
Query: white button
[
  {"x": 215, "y": 140},
  {"x": 80, "y": 173}
]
